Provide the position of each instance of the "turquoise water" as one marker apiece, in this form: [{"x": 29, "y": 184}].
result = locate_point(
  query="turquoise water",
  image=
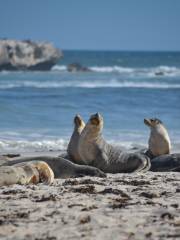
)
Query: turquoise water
[{"x": 37, "y": 108}]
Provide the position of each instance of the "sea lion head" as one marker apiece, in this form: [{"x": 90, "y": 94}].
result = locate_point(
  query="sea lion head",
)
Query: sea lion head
[
  {"x": 159, "y": 141},
  {"x": 78, "y": 122},
  {"x": 96, "y": 122},
  {"x": 93, "y": 127},
  {"x": 152, "y": 122}
]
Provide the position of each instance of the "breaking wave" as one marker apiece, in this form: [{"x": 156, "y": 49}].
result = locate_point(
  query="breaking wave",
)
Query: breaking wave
[
  {"x": 29, "y": 146},
  {"x": 159, "y": 71},
  {"x": 16, "y": 146},
  {"x": 113, "y": 83}
]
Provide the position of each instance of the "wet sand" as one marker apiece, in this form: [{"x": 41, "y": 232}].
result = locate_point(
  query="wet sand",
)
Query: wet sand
[{"x": 121, "y": 206}]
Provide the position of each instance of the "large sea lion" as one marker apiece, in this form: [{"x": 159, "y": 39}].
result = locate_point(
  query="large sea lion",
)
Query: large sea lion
[
  {"x": 160, "y": 146},
  {"x": 72, "y": 149},
  {"x": 58, "y": 167},
  {"x": 95, "y": 151}
]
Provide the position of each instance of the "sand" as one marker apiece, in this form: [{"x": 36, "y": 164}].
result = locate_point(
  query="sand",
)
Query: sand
[{"x": 121, "y": 206}]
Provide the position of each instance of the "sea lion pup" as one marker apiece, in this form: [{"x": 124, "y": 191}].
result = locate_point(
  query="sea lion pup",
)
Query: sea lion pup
[
  {"x": 95, "y": 151},
  {"x": 72, "y": 149},
  {"x": 159, "y": 141},
  {"x": 159, "y": 147},
  {"x": 62, "y": 168},
  {"x": 26, "y": 173}
]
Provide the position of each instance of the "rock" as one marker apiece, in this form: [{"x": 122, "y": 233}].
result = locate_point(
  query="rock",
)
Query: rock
[
  {"x": 76, "y": 67},
  {"x": 27, "y": 55}
]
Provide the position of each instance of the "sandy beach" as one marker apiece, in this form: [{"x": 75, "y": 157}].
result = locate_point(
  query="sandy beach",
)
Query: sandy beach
[
  {"x": 89, "y": 81},
  {"x": 121, "y": 206}
]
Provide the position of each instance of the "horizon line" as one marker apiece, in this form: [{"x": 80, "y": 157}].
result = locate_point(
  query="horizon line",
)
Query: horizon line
[{"x": 118, "y": 50}]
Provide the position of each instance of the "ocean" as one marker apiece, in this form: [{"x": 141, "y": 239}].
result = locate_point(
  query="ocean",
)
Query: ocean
[{"x": 37, "y": 108}]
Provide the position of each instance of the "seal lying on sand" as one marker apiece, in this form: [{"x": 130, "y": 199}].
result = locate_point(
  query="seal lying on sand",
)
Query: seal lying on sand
[
  {"x": 159, "y": 148},
  {"x": 72, "y": 149},
  {"x": 58, "y": 167},
  {"x": 25, "y": 173},
  {"x": 95, "y": 151}
]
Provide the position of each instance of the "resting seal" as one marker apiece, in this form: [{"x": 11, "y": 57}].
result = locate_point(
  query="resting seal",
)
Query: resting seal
[
  {"x": 160, "y": 146},
  {"x": 49, "y": 167},
  {"x": 95, "y": 151},
  {"x": 25, "y": 173},
  {"x": 72, "y": 149}
]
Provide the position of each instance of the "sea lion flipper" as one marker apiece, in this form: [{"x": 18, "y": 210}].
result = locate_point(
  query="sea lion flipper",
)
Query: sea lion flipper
[
  {"x": 84, "y": 170},
  {"x": 145, "y": 164},
  {"x": 46, "y": 175}
]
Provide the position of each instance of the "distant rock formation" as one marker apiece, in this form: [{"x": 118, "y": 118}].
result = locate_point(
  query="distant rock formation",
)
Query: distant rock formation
[
  {"x": 27, "y": 55},
  {"x": 76, "y": 67}
]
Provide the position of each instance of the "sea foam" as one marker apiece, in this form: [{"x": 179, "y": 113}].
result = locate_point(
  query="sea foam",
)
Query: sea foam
[
  {"x": 159, "y": 71},
  {"x": 32, "y": 146},
  {"x": 112, "y": 83}
]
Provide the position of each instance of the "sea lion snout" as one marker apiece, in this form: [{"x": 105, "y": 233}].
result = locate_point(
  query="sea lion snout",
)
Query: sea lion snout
[
  {"x": 78, "y": 120},
  {"x": 96, "y": 119},
  {"x": 152, "y": 122},
  {"x": 147, "y": 122}
]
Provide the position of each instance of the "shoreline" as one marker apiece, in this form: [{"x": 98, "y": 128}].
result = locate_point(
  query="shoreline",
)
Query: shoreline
[{"x": 125, "y": 206}]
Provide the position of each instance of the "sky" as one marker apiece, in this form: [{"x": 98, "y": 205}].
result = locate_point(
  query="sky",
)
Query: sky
[{"x": 94, "y": 24}]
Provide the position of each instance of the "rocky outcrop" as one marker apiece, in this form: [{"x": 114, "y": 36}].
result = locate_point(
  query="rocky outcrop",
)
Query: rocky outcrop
[
  {"x": 27, "y": 55},
  {"x": 76, "y": 67}
]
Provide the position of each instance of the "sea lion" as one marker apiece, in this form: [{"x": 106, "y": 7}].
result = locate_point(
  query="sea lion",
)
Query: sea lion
[
  {"x": 159, "y": 148},
  {"x": 62, "y": 168},
  {"x": 72, "y": 149},
  {"x": 95, "y": 151},
  {"x": 25, "y": 173},
  {"x": 159, "y": 141}
]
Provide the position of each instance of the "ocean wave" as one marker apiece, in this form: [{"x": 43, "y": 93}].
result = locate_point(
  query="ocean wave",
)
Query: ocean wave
[
  {"x": 113, "y": 83},
  {"x": 158, "y": 71},
  {"x": 15, "y": 146},
  {"x": 108, "y": 69},
  {"x": 28, "y": 146},
  {"x": 59, "y": 68},
  {"x": 128, "y": 84}
]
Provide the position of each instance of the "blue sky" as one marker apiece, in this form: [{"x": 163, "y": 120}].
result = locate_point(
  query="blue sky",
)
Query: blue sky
[{"x": 94, "y": 24}]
